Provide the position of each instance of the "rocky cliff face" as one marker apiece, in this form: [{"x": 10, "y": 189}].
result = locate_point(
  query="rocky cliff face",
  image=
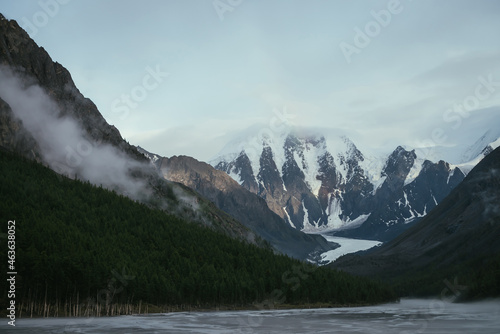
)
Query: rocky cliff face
[
  {"x": 13, "y": 135},
  {"x": 241, "y": 204},
  {"x": 19, "y": 53},
  {"x": 399, "y": 202},
  {"x": 90, "y": 148},
  {"x": 316, "y": 186}
]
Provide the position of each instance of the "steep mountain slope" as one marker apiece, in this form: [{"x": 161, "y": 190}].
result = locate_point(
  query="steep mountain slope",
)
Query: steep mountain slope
[
  {"x": 323, "y": 184},
  {"x": 458, "y": 238},
  {"x": 43, "y": 116},
  {"x": 21, "y": 54},
  {"x": 240, "y": 203}
]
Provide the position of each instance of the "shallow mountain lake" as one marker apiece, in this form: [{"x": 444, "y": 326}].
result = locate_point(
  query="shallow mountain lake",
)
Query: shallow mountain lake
[{"x": 408, "y": 316}]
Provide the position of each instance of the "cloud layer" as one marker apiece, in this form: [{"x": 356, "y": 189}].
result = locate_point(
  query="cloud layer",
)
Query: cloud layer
[{"x": 229, "y": 74}]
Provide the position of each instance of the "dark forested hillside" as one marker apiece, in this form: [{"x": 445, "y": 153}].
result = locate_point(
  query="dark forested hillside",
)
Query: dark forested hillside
[{"x": 81, "y": 249}]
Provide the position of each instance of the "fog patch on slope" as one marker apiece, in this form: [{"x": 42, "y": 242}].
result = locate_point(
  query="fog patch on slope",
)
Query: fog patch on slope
[{"x": 64, "y": 145}]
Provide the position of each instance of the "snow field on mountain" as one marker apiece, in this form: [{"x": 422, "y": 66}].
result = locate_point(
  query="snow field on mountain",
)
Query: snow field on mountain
[
  {"x": 414, "y": 171},
  {"x": 309, "y": 165},
  {"x": 306, "y": 147}
]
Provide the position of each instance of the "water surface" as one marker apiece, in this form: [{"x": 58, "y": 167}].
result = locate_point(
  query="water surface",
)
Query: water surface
[{"x": 409, "y": 316}]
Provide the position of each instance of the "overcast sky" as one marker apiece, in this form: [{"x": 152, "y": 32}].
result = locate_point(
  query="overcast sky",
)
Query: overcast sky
[{"x": 186, "y": 76}]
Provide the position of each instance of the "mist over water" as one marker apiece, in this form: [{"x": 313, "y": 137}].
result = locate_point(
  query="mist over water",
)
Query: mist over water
[{"x": 408, "y": 316}]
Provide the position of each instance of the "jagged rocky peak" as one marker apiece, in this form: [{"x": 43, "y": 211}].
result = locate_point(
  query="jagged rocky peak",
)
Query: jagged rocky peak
[
  {"x": 317, "y": 182},
  {"x": 21, "y": 52},
  {"x": 271, "y": 184},
  {"x": 350, "y": 161},
  {"x": 399, "y": 163},
  {"x": 352, "y": 150},
  {"x": 241, "y": 170},
  {"x": 269, "y": 174},
  {"x": 459, "y": 234},
  {"x": 327, "y": 173}
]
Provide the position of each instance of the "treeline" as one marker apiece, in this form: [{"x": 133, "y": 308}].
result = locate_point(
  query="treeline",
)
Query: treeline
[
  {"x": 81, "y": 246},
  {"x": 475, "y": 279}
]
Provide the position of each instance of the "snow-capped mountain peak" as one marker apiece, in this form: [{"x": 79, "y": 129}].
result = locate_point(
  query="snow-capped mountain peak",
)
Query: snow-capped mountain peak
[
  {"x": 317, "y": 182},
  {"x": 483, "y": 146}
]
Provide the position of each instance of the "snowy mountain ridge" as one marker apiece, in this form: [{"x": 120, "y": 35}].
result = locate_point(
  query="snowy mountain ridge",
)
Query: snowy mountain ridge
[{"x": 324, "y": 183}]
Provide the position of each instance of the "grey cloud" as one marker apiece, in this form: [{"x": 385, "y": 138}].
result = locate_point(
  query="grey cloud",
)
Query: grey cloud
[{"x": 462, "y": 68}]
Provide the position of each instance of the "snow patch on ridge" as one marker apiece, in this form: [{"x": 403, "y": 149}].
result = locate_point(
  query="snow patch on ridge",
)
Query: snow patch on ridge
[
  {"x": 254, "y": 157},
  {"x": 467, "y": 166},
  {"x": 350, "y": 224},
  {"x": 377, "y": 184},
  {"x": 372, "y": 166},
  {"x": 494, "y": 145},
  {"x": 306, "y": 215},
  {"x": 414, "y": 171},
  {"x": 452, "y": 172},
  {"x": 276, "y": 144},
  {"x": 477, "y": 148},
  {"x": 235, "y": 176},
  {"x": 309, "y": 165},
  {"x": 334, "y": 211},
  {"x": 288, "y": 218}
]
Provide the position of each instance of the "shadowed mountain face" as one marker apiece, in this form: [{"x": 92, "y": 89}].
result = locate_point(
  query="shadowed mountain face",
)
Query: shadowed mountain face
[
  {"x": 241, "y": 204},
  {"x": 463, "y": 229},
  {"x": 397, "y": 205},
  {"x": 43, "y": 116}
]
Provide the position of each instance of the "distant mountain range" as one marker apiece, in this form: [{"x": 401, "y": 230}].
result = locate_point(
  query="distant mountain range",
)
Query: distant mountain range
[
  {"x": 319, "y": 184},
  {"x": 454, "y": 249},
  {"x": 439, "y": 219}
]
